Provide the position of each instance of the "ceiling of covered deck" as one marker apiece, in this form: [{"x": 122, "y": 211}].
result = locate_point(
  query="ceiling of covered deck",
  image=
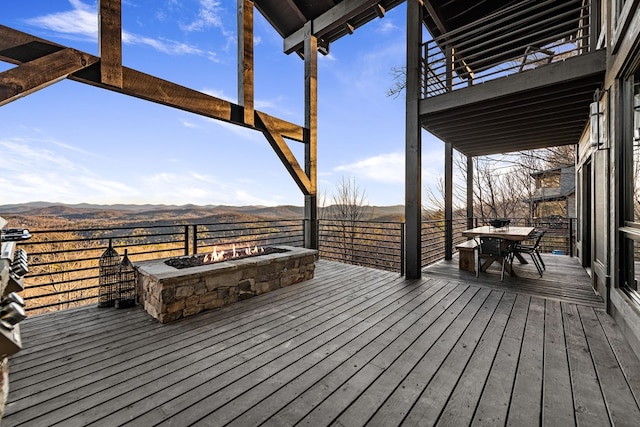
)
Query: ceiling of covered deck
[{"x": 331, "y": 19}]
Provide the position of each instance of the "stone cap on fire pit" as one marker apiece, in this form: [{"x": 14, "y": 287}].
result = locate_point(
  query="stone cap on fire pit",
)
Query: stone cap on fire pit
[{"x": 161, "y": 271}]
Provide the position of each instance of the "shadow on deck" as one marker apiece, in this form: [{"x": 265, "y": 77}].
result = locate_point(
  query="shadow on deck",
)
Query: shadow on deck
[
  {"x": 353, "y": 346},
  {"x": 564, "y": 279}
]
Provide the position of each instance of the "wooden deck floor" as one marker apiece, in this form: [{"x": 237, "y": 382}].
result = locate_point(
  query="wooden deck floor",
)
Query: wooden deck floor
[{"x": 353, "y": 346}]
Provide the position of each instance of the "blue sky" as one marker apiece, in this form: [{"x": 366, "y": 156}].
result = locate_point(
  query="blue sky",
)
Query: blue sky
[{"x": 73, "y": 143}]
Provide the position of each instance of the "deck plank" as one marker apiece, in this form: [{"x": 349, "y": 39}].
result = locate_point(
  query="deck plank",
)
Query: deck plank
[
  {"x": 620, "y": 402},
  {"x": 352, "y": 346},
  {"x": 365, "y": 334},
  {"x": 527, "y": 389},
  {"x": 557, "y": 404},
  {"x": 589, "y": 403},
  {"x": 301, "y": 395},
  {"x": 496, "y": 395},
  {"x": 435, "y": 396}
]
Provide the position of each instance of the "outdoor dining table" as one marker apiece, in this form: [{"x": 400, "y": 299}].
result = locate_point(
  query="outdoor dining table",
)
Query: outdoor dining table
[{"x": 511, "y": 233}]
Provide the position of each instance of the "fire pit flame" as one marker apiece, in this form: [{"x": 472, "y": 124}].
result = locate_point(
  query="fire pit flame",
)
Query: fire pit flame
[{"x": 216, "y": 255}]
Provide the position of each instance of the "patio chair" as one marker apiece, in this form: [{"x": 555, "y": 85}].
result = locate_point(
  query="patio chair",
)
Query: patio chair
[
  {"x": 497, "y": 248},
  {"x": 534, "y": 251}
]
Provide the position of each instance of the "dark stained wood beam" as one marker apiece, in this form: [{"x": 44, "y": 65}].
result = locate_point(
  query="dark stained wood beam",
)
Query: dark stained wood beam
[
  {"x": 111, "y": 42},
  {"x": 436, "y": 16},
  {"x": 448, "y": 201},
  {"x": 245, "y": 59},
  {"x": 335, "y": 17},
  {"x": 17, "y": 48},
  {"x": 413, "y": 144},
  {"x": 297, "y": 10},
  {"x": 470, "y": 192},
  {"x": 311, "y": 123},
  {"x": 281, "y": 148},
  {"x": 379, "y": 10},
  {"x": 41, "y": 72}
]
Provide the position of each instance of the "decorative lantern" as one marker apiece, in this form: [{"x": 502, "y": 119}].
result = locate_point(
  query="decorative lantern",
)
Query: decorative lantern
[
  {"x": 108, "y": 277},
  {"x": 127, "y": 284}
]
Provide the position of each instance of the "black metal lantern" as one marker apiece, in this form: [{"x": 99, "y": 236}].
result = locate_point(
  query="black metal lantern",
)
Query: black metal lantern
[
  {"x": 108, "y": 277},
  {"x": 127, "y": 284}
]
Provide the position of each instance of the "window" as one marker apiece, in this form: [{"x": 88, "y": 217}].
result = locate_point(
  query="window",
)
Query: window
[
  {"x": 548, "y": 180},
  {"x": 631, "y": 141}
]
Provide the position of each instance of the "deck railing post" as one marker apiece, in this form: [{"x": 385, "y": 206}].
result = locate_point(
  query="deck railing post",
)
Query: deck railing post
[
  {"x": 194, "y": 238},
  {"x": 186, "y": 240},
  {"x": 402, "y": 232},
  {"x": 570, "y": 237}
]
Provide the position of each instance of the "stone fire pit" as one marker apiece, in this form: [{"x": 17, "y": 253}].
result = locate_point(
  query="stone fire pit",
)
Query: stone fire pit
[{"x": 168, "y": 293}]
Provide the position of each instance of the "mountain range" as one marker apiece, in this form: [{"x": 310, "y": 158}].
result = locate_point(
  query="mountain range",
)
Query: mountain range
[{"x": 132, "y": 212}]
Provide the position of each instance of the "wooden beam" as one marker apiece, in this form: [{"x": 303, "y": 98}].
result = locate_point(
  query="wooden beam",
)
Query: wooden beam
[
  {"x": 111, "y": 42},
  {"x": 334, "y": 18},
  {"x": 448, "y": 201},
  {"x": 41, "y": 72},
  {"x": 350, "y": 28},
  {"x": 413, "y": 144},
  {"x": 281, "y": 148},
  {"x": 311, "y": 124},
  {"x": 436, "y": 16},
  {"x": 245, "y": 59},
  {"x": 379, "y": 9},
  {"x": 17, "y": 47},
  {"x": 469, "y": 192},
  {"x": 286, "y": 129}
]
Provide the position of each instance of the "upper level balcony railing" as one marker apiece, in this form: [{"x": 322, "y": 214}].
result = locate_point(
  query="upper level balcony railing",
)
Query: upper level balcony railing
[{"x": 522, "y": 37}]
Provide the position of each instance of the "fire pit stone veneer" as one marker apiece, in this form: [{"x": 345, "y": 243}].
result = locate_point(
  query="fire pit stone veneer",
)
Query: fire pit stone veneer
[{"x": 168, "y": 293}]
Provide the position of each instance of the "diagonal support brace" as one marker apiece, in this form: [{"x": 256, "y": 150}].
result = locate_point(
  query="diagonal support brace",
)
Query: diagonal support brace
[{"x": 281, "y": 148}]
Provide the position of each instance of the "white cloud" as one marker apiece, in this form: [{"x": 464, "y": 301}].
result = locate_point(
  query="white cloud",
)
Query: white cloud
[
  {"x": 189, "y": 124},
  {"x": 387, "y": 26},
  {"x": 82, "y": 21},
  {"x": 34, "y": 172},
  {"x": 328, "y": 57},
  {"x": 387, "y": 168},
  {"x": 200, "y": 189},
  {"x": 208, "y": 16}
]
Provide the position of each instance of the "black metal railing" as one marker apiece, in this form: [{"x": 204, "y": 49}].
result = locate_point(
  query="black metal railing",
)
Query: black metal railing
[
  {"x": 247, "y": 234},
  {"x": 521, "y": 37},
  {"x": 433, "y": 236},
  {"x": 370, "y": 244},
  {"x": 63, "y": 263}
]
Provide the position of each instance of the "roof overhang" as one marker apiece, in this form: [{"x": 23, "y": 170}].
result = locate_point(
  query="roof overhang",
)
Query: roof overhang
[
  {"x": 330, "y": 19},
  {"x": 545, "y": 107}
]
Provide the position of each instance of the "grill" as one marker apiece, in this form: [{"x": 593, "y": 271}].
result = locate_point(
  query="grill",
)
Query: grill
[{"x": 13, "y": 267}]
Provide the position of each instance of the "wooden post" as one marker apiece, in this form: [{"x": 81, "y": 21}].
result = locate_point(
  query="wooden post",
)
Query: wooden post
[
  {"x": 413, "y": 144},
  {"x": 245, "y": 59},
  {"x": 448, "y": 200},
  {"x": 111, "y": 42},
  {"x": 449, "y": 70},
  {"x": 311, "y": 130},
  {"x": 469, "y": 192}
]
